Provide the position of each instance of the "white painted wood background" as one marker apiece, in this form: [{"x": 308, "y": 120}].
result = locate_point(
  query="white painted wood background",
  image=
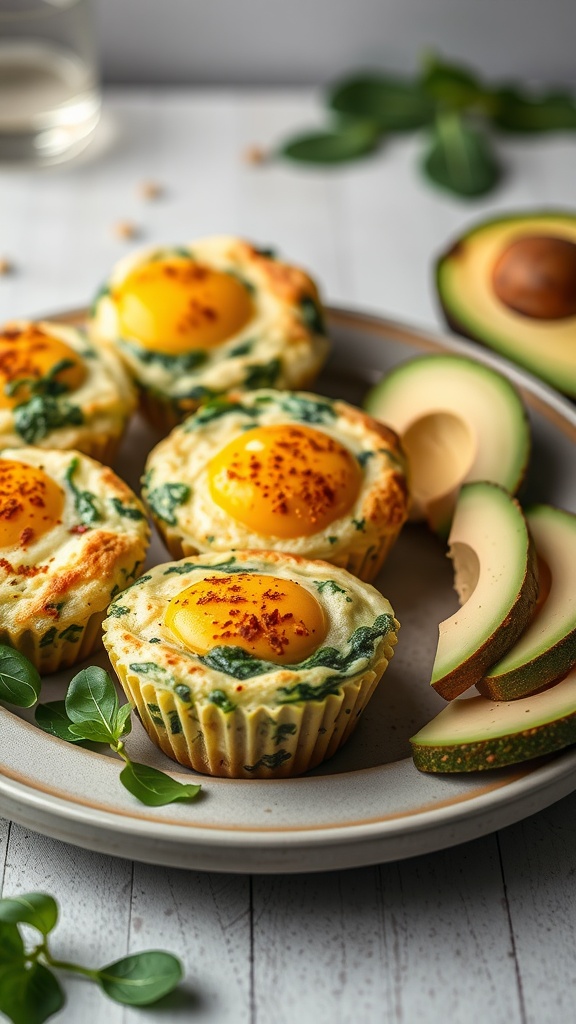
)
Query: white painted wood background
[{"x": 482, "y": 932}]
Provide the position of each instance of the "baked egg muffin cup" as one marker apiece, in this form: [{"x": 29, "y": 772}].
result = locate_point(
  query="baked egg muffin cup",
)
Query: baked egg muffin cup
[
  {"x": 179, "y": 475},
  {"x": 58, "y": 390},
  {"x": 278, "y": 339},
  {"x": 73, "y": 536},
  {"x": 228, "y": 714}
]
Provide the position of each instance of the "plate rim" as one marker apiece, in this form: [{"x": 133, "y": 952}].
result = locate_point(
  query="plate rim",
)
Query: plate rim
[{"x": 527, "y": 790}]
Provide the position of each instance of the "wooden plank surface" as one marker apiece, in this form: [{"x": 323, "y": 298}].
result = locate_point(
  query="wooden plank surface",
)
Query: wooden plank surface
[{"x": 477, "y": 933}]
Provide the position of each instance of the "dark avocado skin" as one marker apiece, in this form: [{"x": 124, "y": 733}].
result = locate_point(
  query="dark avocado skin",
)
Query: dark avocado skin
[
  {"x": 537, "y": 675},
  {"x": 496, "y": 646},
  {"x": 481, "y": 755},
  {"x": 467, "y": 239}
]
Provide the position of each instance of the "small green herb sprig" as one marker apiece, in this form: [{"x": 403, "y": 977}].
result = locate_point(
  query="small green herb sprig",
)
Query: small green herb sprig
[
  {"x": 30, "y": 992},
  {"x": 451, "y": 103},
  {"x": 90, "y": 712}
]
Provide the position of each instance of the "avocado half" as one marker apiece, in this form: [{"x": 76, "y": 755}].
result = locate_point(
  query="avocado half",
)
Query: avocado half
[
  {"x": 473, "y": 734},
  {"x": 510, "y": 283},
  {"x": 496, "y": 578},
  {"x": 546, "y": 650},
  {"x": 458, "y": 421}
]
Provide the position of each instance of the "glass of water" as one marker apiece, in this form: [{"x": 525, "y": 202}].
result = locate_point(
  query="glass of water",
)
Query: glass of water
[{"x": 49, "y": 89}]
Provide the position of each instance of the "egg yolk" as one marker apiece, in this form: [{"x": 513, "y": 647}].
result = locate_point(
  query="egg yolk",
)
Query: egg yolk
[
  {"x": 285, "y": 481},
  {"x": 31, "y": 503},
  {"x": 33, "y": 361},
  {"x": 271, "y": 618},
  {"x": 177, "y": 305}
]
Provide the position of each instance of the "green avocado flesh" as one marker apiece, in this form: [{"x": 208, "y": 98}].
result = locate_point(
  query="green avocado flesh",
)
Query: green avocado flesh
[
  {"x": 473, "y": 734},
  {"x": 546, "y": 650},
  {"x": 472, "y": 306},
  {"x": 496, "y": 577},
  {"x": 458, "y": 421}
]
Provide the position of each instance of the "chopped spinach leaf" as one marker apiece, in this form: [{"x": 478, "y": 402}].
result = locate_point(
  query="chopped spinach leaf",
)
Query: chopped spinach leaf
[
  {"x": 85, "y": 502},
  {"x": 116, "y": 610},
  {"x": 49, "y": 637},
  {"x": 103, "y": 290},
  {"x": 72, "y": 633},
  {"x": 221, "y": 700},
  {"x": 243, "y": 348},
  {"x": 236, "y": 662},
  {"x": 332, "y": 540},
  {"x": 331, "y": 588},
  {"x": 165, "y": 499},
  {"x": 308, "y": 410},
  {"x": 269, "y": 761},
  {"x": 360, "y": 524},
  {"x": 178, "y": 365},
  {"x": 156, "y": 715},
  {"x": 312, "y": 315},
  {"x": 282, "y": 731},
  {"x": 364, "y": 457},
  {"x": 175, "y": 723},
  {"x": 213, "y": 410},
  {"x": 228, "y": 567},
  {"x": 42, "y": 413},
  {"x": 183, "y": 692},
  {"x": 155, "y": 640},
  {"x": 127, "y": 511},
  {"x": 262, "y": 375}
]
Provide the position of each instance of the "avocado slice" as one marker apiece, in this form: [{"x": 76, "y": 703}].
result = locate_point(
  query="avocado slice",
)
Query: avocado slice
[
  {"x": 510, "y": 283},
  {"x": 546, "y": 650},
  {"x": 458, "y": 420},
  {"x": 473, "y": 733},
  {"x": 496, "y": 578}
]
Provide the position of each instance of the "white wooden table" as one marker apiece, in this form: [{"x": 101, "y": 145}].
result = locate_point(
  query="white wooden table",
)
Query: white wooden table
[{"x": 482, "y": 932}]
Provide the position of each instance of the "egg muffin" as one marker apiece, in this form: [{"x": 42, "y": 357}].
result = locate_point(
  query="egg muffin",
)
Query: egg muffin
[
  {"x": 196, "y": 321},
  {"x": 252, "y": 664},
  {"x": 288, "y": 471},
  {"x": 58, "y": 391},
  {"x": 72, "y": 536}
]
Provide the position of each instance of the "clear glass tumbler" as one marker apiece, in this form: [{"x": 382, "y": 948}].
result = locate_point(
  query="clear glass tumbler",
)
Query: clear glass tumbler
[{"x": 49, "y": 88}]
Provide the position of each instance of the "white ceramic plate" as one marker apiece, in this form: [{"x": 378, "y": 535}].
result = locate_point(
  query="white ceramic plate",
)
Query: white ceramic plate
[{"x": 368, "y": 803}]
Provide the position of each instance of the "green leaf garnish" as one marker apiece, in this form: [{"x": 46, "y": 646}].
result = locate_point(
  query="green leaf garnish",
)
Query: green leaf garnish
[
  {"x": 35, "y": 908},
  {"x": 19, "y": 681},
  {"x": 453, "y": 86},
  {"x": 30, "y": 993},
  {"x": 92, "y": 697},
  {"x": 395, "y": 104},
  {"x": 460, "y": 159},
  {"x": 142, "y": 978},
  {"x": 36, "y": 418},
  {"x": 517, "y": 111},
  {"x": 52, "y": 718},
  {"x": 345, "y": 142},
  {"x": 155, "y": 788},
  {"x": 127, "y": 511}
]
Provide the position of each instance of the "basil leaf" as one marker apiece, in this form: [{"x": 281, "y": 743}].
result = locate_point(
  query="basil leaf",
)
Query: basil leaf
[
  {"x": 19, "y": 681},
  {"x": 52, "y": 718},
  {"x": 154, "y": 788},
  {"x": 92, "y": 697},
  {"x": 11, "y": 946},
  {"x": 460, "y": 159},
  {"x": 29, "y": 995},
  {"x": 395, "y": 104},
  {"x": 516, "y": 111},
  {"x": 123, "y": 723},
  {"x": 452, "y": 85},
  {"x": 35, "y": 908},
  {"x": 141, "y": 979},
  {"x": 344, "y": 142},
  {"x": 94, "y": 732}
]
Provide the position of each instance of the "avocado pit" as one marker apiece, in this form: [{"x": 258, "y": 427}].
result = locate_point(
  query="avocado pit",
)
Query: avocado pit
[{"x": 535, "y": 276}]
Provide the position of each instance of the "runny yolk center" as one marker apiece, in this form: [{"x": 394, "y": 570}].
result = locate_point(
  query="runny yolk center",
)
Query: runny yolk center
[
  {"x": 285, "y": 481},
  {"x": 271, "y": 618},
  {"x": 32, "y": 361},
  {"x": 31, "y": 503},
  {"x": 176, "y": 305}
]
